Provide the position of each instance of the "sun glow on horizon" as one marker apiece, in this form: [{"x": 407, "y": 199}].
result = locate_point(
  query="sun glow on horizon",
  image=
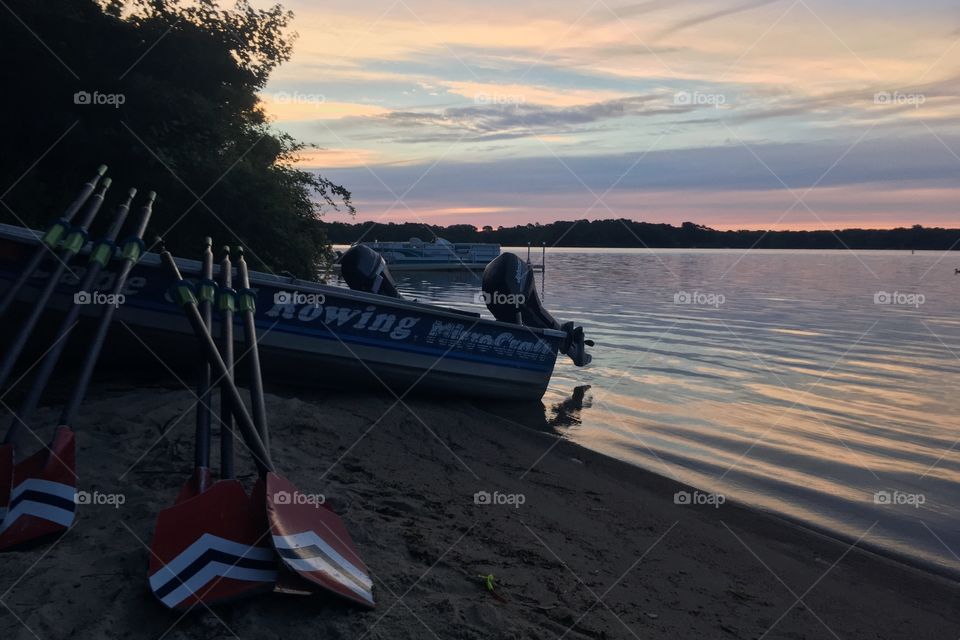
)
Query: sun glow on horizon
[{"x": 850, "y": 118}]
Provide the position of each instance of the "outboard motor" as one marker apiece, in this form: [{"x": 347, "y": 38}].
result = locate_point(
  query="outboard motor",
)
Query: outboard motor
[
  {"x": 365, "y": 270},
  {"x": 511, "y": 295}
]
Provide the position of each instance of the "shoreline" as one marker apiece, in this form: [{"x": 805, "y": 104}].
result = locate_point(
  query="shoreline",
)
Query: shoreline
[{"x": 590, "y": 528}]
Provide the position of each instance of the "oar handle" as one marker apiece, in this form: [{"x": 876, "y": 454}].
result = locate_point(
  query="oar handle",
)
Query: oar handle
[
  {"x": 93, "y": 208},
  {"x": 50, "y": 240},
  {"x": 145, "y": 212},
  {"x": 188, "y": 302},
  {"x": 121, "y": 216},
  {"x": 85, "y": 192}
]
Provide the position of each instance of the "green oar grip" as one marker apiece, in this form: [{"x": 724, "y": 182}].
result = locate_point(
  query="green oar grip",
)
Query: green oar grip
[
  {"x": 102, "y": 252},
  {"x": 75, "y": 240},
  {"x": 247, "y": 300},
  {"x": 226, "y": 299},
  {"x": 182, "y": 293},
  {"x": 55, "y": 233},
  {"x": 207, "y": 291},
  {"x": 133, "y": 248}
]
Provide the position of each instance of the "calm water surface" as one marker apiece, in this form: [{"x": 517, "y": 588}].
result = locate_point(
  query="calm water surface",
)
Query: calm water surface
[{"x": 820, "y": 385}]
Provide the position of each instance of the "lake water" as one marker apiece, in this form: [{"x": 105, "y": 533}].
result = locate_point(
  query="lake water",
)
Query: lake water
[{"x": 821, "y": 385}]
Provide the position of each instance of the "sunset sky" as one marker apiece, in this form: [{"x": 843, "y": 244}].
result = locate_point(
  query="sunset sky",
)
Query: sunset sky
[{"x": 730, "y": 113}]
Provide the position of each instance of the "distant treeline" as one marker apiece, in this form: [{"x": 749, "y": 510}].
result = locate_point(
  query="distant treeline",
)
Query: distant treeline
[{"x": 629, "y": 233}]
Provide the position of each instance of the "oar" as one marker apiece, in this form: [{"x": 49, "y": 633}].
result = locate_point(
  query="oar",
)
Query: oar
[
  {"x": 310, "y": 538},
  {"x": 202, "y": 478},
  {"x": 72, "y": 244},
  {"x": 213, "y": 546},
  {"x": 43, "y": 499},
  {"x": 287, "y": 582},
  {"x": 50, "y": 240}
]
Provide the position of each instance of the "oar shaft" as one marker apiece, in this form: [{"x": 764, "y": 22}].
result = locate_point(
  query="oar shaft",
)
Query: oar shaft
[
  {"x": 130, "y": 256},
  {"x": 90, "y": 213},
  {"x": 207, "y": 292},
  {"x": 50, "y": 360},
  {"x": 85, "y": 193},
  {"x": 209, "y": 348},
  {"x": 226, "y": 303},
  {"x": 75, "y": 241},
  {"x": 252, "y": 354},
  {"x": 44, "y": 248}
]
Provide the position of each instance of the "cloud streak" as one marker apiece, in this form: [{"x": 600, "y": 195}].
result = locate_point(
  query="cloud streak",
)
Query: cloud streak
[
  {"x": 711, "y": 16},
  {"x": 510, "y": 121}
]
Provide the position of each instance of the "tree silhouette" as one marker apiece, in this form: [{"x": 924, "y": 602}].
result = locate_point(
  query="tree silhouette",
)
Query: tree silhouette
[{"x": 188, "y": 125}]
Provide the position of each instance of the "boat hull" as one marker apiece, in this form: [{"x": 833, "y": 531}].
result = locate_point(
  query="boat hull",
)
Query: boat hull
[{"x": 311, "y": 335}]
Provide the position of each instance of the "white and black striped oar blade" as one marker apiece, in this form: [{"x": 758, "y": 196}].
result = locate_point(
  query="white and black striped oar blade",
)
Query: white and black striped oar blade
[
  {"x": 211, "y": 549},
  {"x": 313, "y": 541},
  {"x": 43, "y": 496}
]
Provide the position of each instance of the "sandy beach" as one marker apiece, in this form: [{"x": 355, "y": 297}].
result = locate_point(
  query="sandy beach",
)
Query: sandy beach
[{"x": 580, "y": 545}]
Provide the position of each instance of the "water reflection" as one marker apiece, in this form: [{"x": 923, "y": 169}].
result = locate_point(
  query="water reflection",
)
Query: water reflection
[
  {"x": 567, "y": 412},
  {"x": 798, "y": 394}
]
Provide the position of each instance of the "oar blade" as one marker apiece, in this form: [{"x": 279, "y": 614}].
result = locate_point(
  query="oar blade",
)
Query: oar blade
[
  {"x": 211, "y": 549},
  {"x": 197, "y": 484},
  {"x": 43, "y": 498},
  {"x": 313, "y": 542}
]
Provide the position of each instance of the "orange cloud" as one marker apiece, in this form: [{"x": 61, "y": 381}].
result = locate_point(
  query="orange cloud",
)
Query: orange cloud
[
  {"x": 294, "y": 106},
  {"x": 496, "y": 93},
  {"x": 335, "y": 158}
]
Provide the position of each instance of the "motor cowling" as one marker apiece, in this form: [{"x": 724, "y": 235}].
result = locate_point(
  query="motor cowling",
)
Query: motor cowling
[
  {"x": 365, "y": 270},
  {"x": 510, "y": 292}
]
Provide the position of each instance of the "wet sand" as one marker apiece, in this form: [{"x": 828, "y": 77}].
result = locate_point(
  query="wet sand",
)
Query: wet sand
[{"x": 580, "y": 545}]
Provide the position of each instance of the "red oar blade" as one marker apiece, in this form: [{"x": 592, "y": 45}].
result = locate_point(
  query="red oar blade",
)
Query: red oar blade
[
  {"x": 211, "y": 549},
  {"x": 43, "y": 497},
  {"x": 313, "y": 541},
  {"x": 288, "y": 582},
  {"x": 197, "y": 484}
]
